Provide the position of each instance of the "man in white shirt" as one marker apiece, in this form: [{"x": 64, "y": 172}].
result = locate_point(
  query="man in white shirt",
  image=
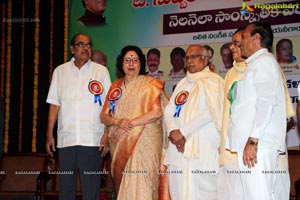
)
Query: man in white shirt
[
  {"x": 177, "y": 61},
  {"x": 229, "y": 182},
  {"x": 153, "y": 61},
  {"x": 76, "y": 95},
  {"x": 193, "y": 120},
  {"x": 227, "y": 59},
  {"x": 257, "y": 128}
]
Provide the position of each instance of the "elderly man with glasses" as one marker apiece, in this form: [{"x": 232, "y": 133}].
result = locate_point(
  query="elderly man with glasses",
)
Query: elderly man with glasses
[
  {"x": 76, "y": 96},
  {"x": 193, "y": 119}
]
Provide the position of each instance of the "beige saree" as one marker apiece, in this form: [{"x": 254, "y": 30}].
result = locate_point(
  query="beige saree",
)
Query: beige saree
[{"x": 136, "y": 156}]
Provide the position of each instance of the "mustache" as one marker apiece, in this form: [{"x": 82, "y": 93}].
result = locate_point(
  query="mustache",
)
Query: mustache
[
  {"x": 152, "y": 65},
  {"x": 84, "y": 51},
  {"x": 189, "y": 65}
]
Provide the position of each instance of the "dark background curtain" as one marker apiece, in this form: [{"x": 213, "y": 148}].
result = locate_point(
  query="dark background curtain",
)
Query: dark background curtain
[{"x": 33, "y": 42}]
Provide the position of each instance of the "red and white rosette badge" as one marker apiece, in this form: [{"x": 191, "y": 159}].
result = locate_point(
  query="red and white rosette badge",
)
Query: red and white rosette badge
[
  {"x": 96, "y": 88},
  {"x": 113, "y": 96},
  {"x": 180, "y": 100}
]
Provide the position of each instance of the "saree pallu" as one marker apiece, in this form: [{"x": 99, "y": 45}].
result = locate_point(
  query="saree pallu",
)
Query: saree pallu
[{"x": 136, "y": 156}]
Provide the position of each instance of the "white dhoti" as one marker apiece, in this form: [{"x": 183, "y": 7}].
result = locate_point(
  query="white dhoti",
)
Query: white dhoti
[
  {"x": 282, "y": 183},
  {"x": 191, "y": 184},
  {"x": 229, "y": 183},
  {"x": 259, "y": 183}
]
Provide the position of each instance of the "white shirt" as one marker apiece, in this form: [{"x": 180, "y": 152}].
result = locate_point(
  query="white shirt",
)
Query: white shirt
[
  {"x": 79, "y": 114},
  {"x": 156, "y": 74},
  {"x": 177, "y": 75},
  {"x": 259, "y": 109}
]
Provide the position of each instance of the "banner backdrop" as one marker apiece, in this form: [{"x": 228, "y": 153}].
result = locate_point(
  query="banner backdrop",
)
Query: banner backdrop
[
  {"x": 165, "y": 24},
  {"x": 292, "y": 81}
]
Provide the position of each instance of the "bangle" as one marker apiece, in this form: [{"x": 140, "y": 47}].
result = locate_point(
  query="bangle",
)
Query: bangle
[{"x": 253, "y": 143}]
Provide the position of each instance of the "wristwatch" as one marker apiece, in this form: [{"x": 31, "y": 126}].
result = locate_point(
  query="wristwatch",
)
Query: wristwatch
[{"x": 253, "y": 143}]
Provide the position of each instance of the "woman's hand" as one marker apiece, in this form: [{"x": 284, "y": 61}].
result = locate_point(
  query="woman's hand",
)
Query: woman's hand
[
  {"x": 104, "y": 145},
  {"x": 124, "y": 124},
  {"x": 119, "y": 132}
]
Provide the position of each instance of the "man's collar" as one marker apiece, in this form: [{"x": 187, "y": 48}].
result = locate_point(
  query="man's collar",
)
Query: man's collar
[
  {"x": 256, "y": 54},
  {"x": 83, "y": 67}
]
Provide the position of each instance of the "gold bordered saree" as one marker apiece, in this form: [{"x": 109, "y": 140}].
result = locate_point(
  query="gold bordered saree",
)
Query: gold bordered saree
[{"x": 136, "y": 156}]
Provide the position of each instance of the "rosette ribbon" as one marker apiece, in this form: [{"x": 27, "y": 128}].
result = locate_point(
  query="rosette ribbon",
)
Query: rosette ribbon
[
  {"x": 96, "y": 88},
  {"x": 113, "y": 96},
  {"x": 180, "y": 100}
]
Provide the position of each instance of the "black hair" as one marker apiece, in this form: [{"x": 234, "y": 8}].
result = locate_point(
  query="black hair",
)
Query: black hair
[
  {"x": 279, "y": 43},
  {"x": 225, "y": 46},
  {"x": 140, "y": 54},
  {"x": 78, "y": 34},
  {"x": 177, "y": 50},
  {"x": 83, "y": 3},
  {"x": 266, "y": 34},
  {"x": 153, "y": 51}
]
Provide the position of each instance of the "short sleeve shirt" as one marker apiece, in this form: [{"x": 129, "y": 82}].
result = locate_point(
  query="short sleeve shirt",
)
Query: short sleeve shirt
[{"x": 77, "y": 93}]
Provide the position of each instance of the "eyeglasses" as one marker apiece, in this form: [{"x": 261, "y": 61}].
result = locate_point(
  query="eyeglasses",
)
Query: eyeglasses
[
  {"x": 81, "y": 44},
  {"x": 133, "y": 60},
  {"x": 193, "y": 57}
]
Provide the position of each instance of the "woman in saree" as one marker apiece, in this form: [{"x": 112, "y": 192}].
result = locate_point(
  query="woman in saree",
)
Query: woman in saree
[{"x": 132, "y": 111}]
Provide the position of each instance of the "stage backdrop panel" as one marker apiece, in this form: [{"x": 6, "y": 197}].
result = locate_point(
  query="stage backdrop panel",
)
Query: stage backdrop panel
[{"x": 166, "y": 24}]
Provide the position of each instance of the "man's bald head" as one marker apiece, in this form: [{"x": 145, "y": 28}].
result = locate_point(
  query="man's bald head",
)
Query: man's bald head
[
  {"x": 99, "y": 57},
  {"x": 196, "y": 58}
]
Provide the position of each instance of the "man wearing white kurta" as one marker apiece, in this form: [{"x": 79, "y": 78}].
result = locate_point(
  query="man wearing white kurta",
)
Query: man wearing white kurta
[
  {"x": 228, "y": 180},
  {"x": 257, "y": 128},
  {"x": 193, "y": 119}
]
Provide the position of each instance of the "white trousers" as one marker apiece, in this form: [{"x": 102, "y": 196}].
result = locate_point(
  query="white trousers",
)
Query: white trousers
[
  {"x": 192, "y": 184},
  {"x": 259, "y": 183},
  {"x": 229, "y": 183}
]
